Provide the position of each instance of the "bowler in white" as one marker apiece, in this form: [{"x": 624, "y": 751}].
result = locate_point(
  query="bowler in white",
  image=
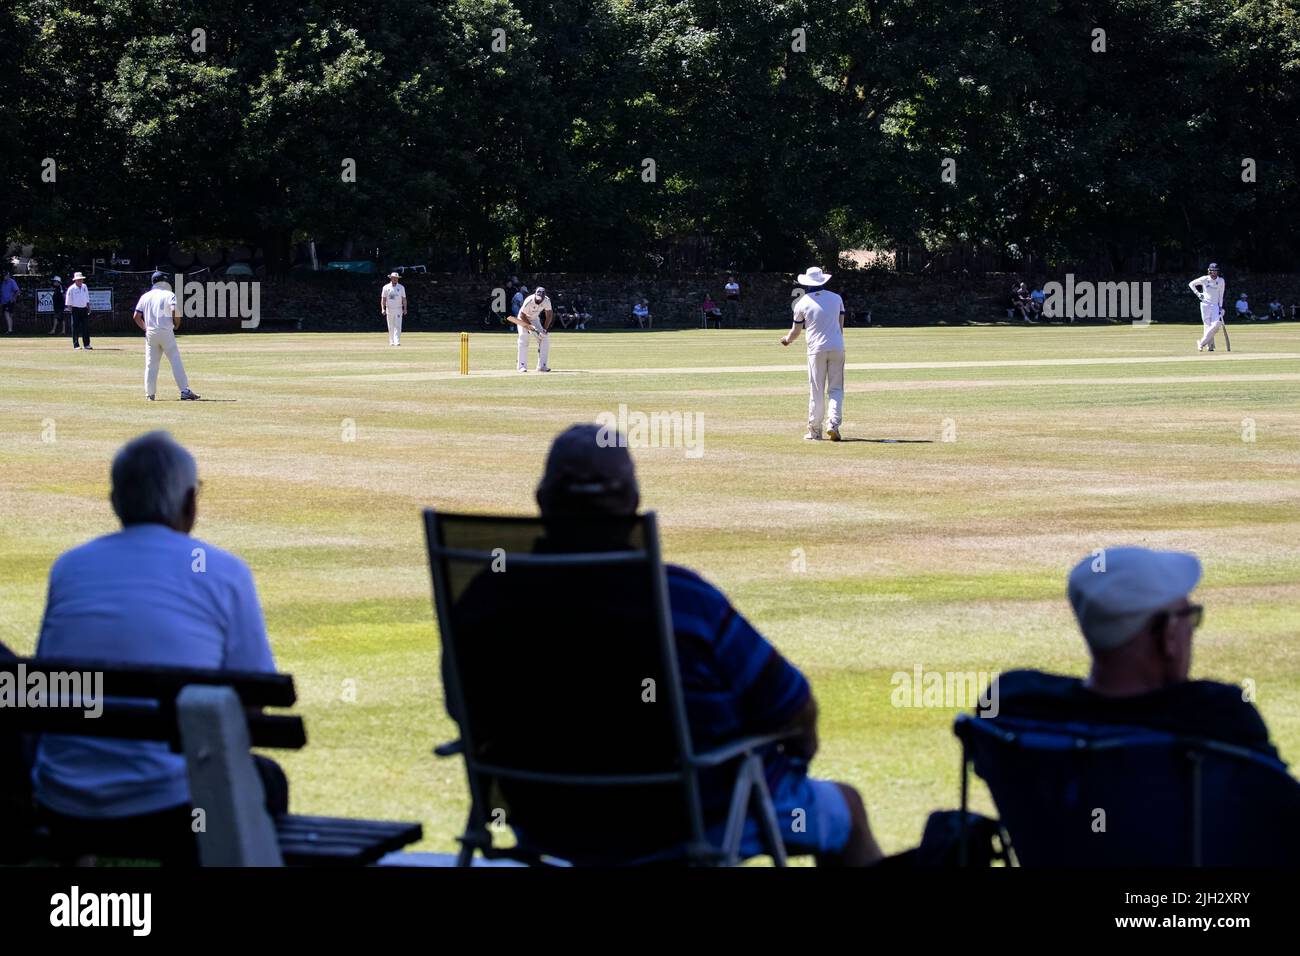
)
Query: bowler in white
[
  {"x": 819, "y": 315},
  {"x": 156, "y": 316},
  {"x": 1209, "y": 289}
]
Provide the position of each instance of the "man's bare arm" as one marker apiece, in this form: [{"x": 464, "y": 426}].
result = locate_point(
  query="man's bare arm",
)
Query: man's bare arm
[
  {"x": 139, "y": 320},
  {"x": 793, "y": 334}
]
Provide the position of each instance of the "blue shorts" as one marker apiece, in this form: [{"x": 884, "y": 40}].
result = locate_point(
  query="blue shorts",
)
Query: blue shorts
[{"x": 812, "y": 815}]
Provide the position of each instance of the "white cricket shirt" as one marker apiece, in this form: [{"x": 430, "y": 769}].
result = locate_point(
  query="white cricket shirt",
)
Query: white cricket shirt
[
  {"x": 819, "y": 312},
  {"x": 77, "y": 296},
  {"x": 156, "y": 306},
  {"x": 393, "y": 294},
  {"x": 532, "y": 309},
  {"x": 1213, "y": 288}
]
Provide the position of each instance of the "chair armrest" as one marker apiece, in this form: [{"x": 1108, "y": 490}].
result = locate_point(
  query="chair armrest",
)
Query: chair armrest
[
  {"x": 449, "y": 749},
  {"x": 739, "y": 748}
]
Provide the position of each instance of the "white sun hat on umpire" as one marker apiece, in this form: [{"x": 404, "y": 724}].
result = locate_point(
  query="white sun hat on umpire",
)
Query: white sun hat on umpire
[
  {"x": 813, "y": 276},
  {"x": 1115, "y": 592}
]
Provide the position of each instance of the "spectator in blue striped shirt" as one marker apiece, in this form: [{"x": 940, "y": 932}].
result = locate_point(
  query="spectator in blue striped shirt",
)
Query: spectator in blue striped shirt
[{"x": 735, "y": 683}]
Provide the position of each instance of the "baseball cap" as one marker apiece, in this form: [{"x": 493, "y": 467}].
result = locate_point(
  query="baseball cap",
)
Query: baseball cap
[
  {"x": 57, "y": 279},
  {"x": 158, "y": 277},
  {"x": 1212, "y": 265},
  {"x": 589, "y": 470},
  {"x": 540, "y": 290},
  {"x": 1114, "y": 592}
]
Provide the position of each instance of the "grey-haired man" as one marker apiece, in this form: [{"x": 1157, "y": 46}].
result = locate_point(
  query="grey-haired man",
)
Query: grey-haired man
[{"x": 149, "y": 594}]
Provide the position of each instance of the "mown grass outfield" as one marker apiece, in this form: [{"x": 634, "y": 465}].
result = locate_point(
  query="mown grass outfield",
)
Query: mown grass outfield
[{"x": 947, "y": 555}]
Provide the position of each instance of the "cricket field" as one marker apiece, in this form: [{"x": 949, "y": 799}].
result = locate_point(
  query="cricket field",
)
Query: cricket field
[{"x": 979, "y": 465}]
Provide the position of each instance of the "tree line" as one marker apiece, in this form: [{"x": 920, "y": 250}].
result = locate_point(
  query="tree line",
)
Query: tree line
[{"x": 594, "y": 134}]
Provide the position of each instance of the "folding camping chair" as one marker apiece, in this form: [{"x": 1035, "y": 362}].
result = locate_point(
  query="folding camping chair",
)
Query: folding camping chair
[
  {"x": 1081, "y": 795},
  {"x": 560, "y": 665}
]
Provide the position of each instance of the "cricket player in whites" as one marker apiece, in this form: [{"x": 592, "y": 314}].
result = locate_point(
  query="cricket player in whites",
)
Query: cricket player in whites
[
  {"x": 1211, "y": 295},
  {"x": 535, "y": 318},
  {"x": 392, "y": 304},
  {"x": 156, "y": 316},
  {"x": 819, "y": 314}
]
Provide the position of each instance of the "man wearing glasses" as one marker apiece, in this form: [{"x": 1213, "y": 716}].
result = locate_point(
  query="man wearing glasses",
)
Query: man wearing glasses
[{"x": 1134, "y": 612}]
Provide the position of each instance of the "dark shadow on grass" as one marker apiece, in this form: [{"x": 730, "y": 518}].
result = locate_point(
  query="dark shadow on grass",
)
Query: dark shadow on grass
[{"x": 892, "y": 441}]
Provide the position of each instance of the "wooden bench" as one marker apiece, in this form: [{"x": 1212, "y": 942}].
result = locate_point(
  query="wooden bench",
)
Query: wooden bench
[{"x": 213, "y": 717}]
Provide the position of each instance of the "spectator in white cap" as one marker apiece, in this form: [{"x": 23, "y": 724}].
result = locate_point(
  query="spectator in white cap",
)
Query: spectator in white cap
[
  {"x": 1134, "y": 612},
  {"x": 392, "y": 305},
  {"x": 819, "y": 314},
  {"x": 1209, "y": 289},
  {"x": 1243, "y": 307}
]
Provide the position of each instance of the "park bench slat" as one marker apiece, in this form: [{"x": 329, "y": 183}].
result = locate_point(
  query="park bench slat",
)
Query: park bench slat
[
  {"x": 255, "y": 689},
  {"x": 337, "y": 841},
  {"x": 134, "y": 722}
]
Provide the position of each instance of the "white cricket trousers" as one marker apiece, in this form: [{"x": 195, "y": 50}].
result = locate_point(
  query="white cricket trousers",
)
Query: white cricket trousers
[
  {"x": 394, "y": 328},
  {"x": 157, "y": 343},
  {"x": 825, "y": 375},
  {"x": 1212, "y": 319},
  {"x": 543, "y": 346}
]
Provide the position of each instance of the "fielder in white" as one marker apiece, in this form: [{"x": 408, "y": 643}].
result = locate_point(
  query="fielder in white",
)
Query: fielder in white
[
  {"x": 819, "y": 313},
  {"x": 535, "y": 318},
  {"x": 156, "y": 316},
  {"x": 1211, "y": 295},
  {"x": 392, "y": 305}
]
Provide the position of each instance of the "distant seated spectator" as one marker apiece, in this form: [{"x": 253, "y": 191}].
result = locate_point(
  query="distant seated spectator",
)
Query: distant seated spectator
[
  {"x": 1036, "y": 300},
  {"x": 1275, "y": 309},
  {"x": 566, "y": 314},
  {"x": 641, "y": 315},
  {"x": 151, "y": 595},
  {"x": 582, "y": 313},
  {"x": 712, "y": 311},
  {"x": 1021, "y": 303},
  {"x": 1243, "y": 308},
  {"x": 735, "y": 683},
  {"x": 1138, "y": 624}
]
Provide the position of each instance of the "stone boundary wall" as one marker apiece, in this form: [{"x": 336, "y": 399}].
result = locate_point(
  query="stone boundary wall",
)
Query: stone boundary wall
[{"x": 452, "y": 302}]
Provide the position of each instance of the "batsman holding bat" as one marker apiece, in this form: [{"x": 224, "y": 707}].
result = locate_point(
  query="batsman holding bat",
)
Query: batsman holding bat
[
  {"x": 535, "y": 318},
  {"x": 1209, "y": 289}
]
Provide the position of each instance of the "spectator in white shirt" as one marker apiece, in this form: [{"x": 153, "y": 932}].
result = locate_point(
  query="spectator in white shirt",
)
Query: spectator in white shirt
[
  {"x": 1243, "y": 307},
  {"x": 1275, "y": 309},
  {"x": 149, "y": 594},
  {"x": 731, "y": 291},
  {"x": 77, "y": 299}
]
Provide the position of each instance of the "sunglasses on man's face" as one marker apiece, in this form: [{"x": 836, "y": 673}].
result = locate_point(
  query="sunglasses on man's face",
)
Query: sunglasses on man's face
[{"x": 1195, "y": 612}]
